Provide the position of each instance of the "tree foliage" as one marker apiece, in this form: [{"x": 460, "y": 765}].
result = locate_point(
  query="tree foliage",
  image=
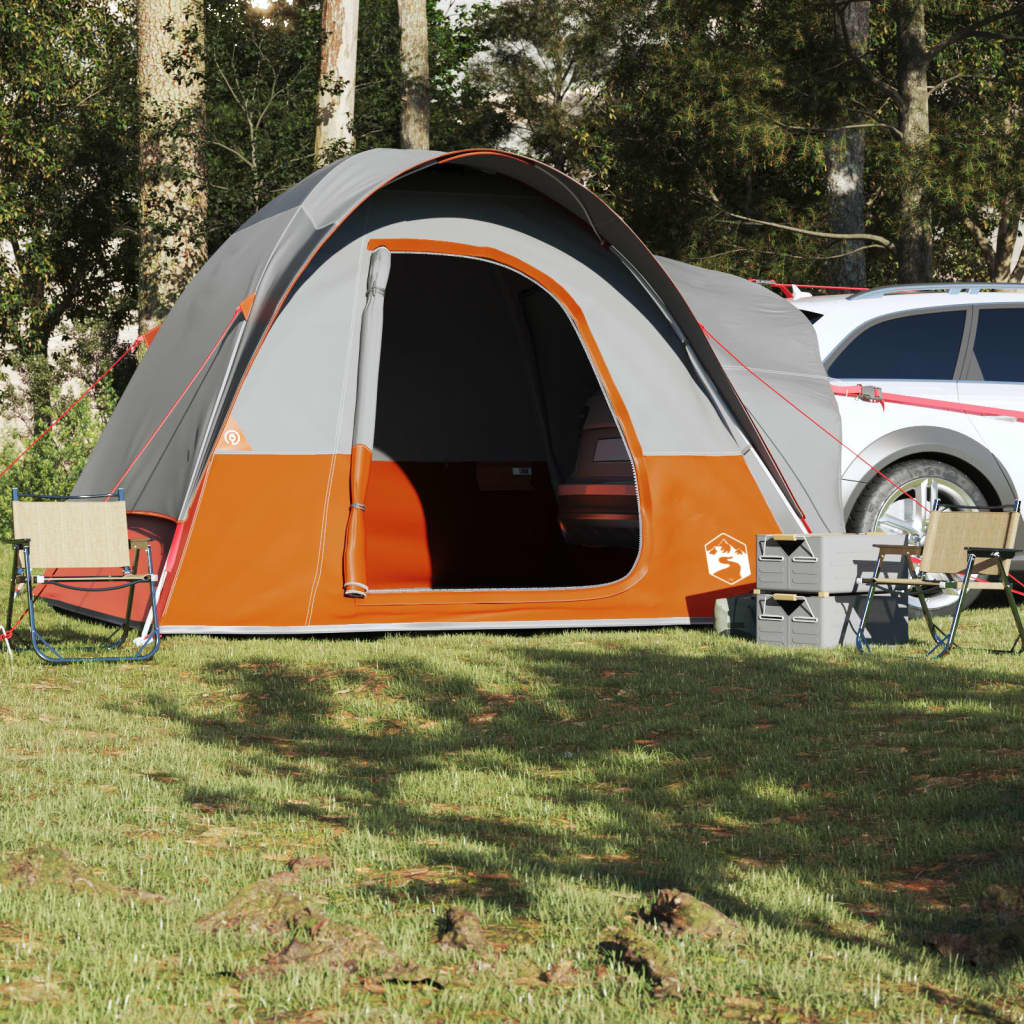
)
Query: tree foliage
[
  {"x": 705, "y": 123},
  {"x": 67, "y": 186},
  {"x": 262, "y": 81},
  {"x": 699, "y": 120}
]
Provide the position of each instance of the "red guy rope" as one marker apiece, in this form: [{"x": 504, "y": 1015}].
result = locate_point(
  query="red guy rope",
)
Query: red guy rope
[
  {"x": 875, "y": 469},
  {"x": 177, "y": 401},
  {"x": 6, "y": 634},
  {"x": 811, "y": 419},
  {"x": 92, "y": 387}
]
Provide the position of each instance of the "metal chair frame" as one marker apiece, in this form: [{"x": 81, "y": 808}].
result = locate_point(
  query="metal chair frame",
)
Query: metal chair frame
[
  {"x": 980, "y": 560},
  {"x": 146, "y": 646}
]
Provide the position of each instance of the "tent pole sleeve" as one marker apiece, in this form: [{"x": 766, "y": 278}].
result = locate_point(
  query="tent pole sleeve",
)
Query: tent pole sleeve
[{"x": 371, "y": 332}]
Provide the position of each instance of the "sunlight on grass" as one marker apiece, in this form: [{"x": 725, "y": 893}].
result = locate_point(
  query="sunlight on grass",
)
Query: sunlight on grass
[{"x": 844, "y": 810}]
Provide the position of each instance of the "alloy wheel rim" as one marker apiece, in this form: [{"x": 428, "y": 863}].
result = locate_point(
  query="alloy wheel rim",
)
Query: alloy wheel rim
[{"x": 901, "y": 515}]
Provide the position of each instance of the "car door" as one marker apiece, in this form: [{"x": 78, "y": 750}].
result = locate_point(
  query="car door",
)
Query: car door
[
  {"x": 915, "y": 354},
  {"x": 992, "y": 381}
]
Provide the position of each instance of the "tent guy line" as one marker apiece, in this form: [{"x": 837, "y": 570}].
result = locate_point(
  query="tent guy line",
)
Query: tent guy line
[
  {"x": 239, "y": 311},
  {"x": 53, "y": 423},
  {"x": 811, "y": 419}
]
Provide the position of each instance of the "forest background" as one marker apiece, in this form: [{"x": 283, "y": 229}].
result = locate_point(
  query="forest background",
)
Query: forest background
[{"x": 852, "y": 142}]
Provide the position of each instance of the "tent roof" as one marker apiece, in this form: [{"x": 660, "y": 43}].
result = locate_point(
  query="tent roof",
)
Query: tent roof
[
  {"x": 769, "y": 338},
  {"x": 263, "y": 259}
]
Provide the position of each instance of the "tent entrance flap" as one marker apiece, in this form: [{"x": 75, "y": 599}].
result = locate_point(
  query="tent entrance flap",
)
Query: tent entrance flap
[
  {"x": 370, "y": 332},
  {"x": 497, "y": 462}
]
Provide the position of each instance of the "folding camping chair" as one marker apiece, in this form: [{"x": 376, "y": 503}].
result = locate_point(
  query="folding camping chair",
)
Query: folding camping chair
[
  {"x": 963, "y": 543},
  {"x": 54, "y": 533}
]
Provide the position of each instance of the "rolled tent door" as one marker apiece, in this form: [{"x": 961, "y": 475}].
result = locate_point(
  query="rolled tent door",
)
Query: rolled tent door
[{"x": 371, "y": 331}]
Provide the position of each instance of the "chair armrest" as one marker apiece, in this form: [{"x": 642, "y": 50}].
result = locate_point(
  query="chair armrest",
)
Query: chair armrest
[
  {"x": 138, "y": 543},
  {"x": 993, "y": 552},
  {"x": 20, "y": 542},
  {"x": 899, "y": 549}
]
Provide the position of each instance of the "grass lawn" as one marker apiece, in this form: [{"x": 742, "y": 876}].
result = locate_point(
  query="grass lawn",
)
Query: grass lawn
[{"x": 844, "y": 810}]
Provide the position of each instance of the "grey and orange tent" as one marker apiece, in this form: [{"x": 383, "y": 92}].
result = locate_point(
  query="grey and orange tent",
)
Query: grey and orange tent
[{"x": 440, "y": 391}]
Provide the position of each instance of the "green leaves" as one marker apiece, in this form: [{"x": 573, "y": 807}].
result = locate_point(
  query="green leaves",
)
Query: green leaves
[{"x": 67, "y": 174}]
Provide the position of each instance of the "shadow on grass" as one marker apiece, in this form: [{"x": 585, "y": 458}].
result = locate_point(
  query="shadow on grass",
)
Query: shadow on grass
[{"x": 890, "y": 784}]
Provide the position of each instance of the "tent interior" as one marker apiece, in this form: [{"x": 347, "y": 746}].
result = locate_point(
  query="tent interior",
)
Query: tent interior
[{"x": 497, "y": 462}]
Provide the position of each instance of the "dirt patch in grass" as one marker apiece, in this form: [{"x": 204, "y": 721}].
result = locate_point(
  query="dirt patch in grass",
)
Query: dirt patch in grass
[
  {"x": 977, "y": 777},
  {"x": 327, "y": 1015},
  {"x": 641, "y": 955},
  {"x": 263, "y": 908},
  {"x": 753, "y": 1010},
  {"x": 998, "y": 1011},
  {"x": 31, "y": 990},
  {"x": 270, "y": 906},
  {"x": 929, "y": 892},
  {"x": 502, "y": 937},
  {"x": 49, "y": 867},
  {"x": 930, "y": 884},
  {"x": 461, "y": 929},
  {"x": 680, "y": 913},
  {"x": 323, "y": 945},
  {"x": 221, "y": 837},
  {"x": 442, "y": 882}
]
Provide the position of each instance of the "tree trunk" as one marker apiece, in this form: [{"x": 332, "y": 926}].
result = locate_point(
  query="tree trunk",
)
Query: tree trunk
[
  {"x": 1004, "y": 249},
  {"x": 412, "y": 27},
  {"x": 1016, "y": 272},
  {"x": 914, "y": 248},
  {"x": 337, "y": 100},
  {"x": 172, "y": 179},
  {"x": 39, "y": 385},
  {"x": 844, "y": 156}
]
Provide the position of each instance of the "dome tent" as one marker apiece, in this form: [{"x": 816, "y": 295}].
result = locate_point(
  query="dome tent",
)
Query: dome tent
[{"x": 365, "y": 409}]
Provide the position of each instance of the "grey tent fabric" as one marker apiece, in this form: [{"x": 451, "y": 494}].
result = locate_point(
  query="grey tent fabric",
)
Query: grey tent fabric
[
  {"x": 167, "y": 450},
  {"x": 775, "y": 340},
  {"x": 263, "y": 257}
]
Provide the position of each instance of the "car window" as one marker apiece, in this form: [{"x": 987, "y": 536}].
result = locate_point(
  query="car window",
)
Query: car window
[
  {"x": 999, "y": 344},
  {"x": 920, "y": 347}
]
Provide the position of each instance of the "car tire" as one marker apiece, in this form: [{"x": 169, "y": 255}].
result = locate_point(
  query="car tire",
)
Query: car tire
[{"x": 881, "y": 506}]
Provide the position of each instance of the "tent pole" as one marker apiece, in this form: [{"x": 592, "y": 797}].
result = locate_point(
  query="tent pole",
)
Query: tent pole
[{"x": 371, "y": 333}]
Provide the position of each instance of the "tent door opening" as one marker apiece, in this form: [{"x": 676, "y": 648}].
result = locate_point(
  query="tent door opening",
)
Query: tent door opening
[{"x": 496, "y": 461}]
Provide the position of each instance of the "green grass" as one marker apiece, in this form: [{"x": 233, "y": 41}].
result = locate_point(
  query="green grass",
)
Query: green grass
[{"x": 841, "y": 808}]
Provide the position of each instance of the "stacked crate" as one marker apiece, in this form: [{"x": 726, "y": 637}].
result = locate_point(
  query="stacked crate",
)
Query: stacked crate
[{"x": 809, "y": 590}]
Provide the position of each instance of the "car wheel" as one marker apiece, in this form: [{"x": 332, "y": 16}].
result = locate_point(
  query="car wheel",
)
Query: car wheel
[{"x": 884, "y": 508}]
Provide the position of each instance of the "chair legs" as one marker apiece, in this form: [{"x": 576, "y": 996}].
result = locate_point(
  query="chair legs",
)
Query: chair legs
[
  {"x": 1014, "y": 610},
  {"x": 940, "y": 638},
  {"x": 47, "y": 652},
  {"x": 10, "y": 596},
  {"x": 862, "y": 642}
]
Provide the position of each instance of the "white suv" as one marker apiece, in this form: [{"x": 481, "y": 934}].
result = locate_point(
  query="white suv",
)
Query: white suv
[{"x": 930, "y": 385}]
